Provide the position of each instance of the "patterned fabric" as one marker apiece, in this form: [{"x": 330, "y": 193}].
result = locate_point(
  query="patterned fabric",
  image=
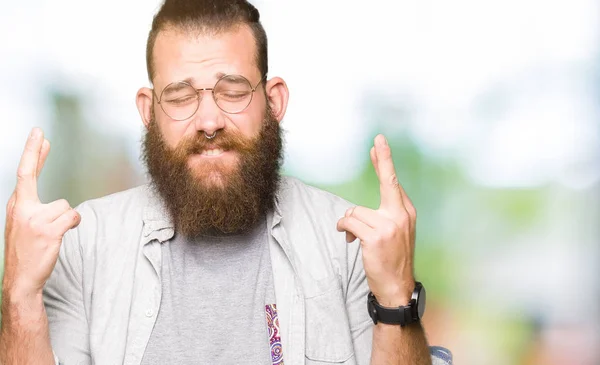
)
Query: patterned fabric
[{"x": 274, "y": 338}]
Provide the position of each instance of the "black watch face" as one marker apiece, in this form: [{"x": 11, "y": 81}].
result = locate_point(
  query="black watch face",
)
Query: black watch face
[{"x": 421, "y": 302}]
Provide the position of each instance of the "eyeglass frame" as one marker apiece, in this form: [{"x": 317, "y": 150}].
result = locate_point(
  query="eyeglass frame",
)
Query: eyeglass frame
[{"x": 212, "y": 90}]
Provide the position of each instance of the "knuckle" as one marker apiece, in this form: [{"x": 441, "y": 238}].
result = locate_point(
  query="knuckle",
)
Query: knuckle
[
  {"x": 394, "y": 181},
  {"x": 377, "y": 238},
  {"x": 28, "y": 150},
  {"x": 404, "y": 219},
  {"x": 412, "y": 212},
  {"x": 390, "y": 230},
  {"x": 35, "y": 226},
  {"x": 63, "y": 204},
  {"x": 349, "y": 212},
  {"x": 23, "y": 173}
]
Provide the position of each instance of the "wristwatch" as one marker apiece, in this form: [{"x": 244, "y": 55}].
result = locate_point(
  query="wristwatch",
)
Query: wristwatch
[{"x": 403, "y": 315}]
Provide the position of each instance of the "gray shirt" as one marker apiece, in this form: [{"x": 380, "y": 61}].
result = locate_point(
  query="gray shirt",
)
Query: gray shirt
[{"x": 213, "y": 308}]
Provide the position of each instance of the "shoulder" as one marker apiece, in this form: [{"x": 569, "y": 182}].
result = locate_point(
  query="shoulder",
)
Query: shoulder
[
  {"x": 134, "y": 198},
  {"x": 296, "y": 195},
  {"x": 112, "y": 218},
  {"x": 309, "y": 216}
]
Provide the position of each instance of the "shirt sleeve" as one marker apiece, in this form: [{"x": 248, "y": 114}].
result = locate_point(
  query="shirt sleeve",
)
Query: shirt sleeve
[
  {"x": 361, "y": 325},
  {"x": 64, "y": 303}
]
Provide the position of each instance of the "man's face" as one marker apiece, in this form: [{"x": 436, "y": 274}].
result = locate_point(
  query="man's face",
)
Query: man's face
[
  {"x": 220, "y": 185},
  {"x": 202, "y": 59}
]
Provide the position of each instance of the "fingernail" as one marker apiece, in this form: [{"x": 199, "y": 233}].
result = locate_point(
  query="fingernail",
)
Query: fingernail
[
  {"x": 34, "y": 133},
  {"x": 381, "y": 141}
]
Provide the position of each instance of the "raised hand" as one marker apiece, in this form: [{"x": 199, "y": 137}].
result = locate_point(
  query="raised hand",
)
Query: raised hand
[
  {"x": 34, "y": 231},
  {"x": 387, "y": 235}
]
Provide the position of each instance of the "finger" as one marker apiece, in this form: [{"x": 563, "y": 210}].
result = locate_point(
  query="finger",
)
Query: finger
[
  {"x": 54, "y": 210},
  {"x": 374, "y": 159},
  {"x": 368, "y": 216},
  {"x": 356, "y": 227},
  {"x": 68, "y": 220},
  {"x": 349, "y": 236},
  {"x": 27, "y": 170},
  {"x": 406, "y": 202},
  {"x": 391, "y": 198},
  {"x": 410, "y": 208},
  {"x": 405, "y": 199},
  {"x": 349, "y": 212},
  {"x": 43, "y": 156}
]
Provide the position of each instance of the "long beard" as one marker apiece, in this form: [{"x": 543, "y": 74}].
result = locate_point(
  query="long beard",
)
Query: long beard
[{"x": 234, "y": 204}]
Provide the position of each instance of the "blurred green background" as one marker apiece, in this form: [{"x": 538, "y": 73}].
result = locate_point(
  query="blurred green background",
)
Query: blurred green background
[{"x": 491, "y": 109}]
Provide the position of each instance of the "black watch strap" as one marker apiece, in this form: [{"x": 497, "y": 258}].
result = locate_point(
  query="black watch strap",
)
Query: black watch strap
[
  {"x": 397, "y": 315},
  {"x": 402, "y": 315}
]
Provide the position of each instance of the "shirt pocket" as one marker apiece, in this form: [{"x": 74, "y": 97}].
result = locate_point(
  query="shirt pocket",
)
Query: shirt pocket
[{"x": 328, "y": 337}]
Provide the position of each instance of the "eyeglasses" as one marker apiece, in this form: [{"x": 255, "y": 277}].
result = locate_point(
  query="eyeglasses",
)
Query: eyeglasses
[{"x": 232, "y": 94}]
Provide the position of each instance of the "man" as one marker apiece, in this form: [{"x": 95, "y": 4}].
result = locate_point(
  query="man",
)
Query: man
[{"x": 219, "y": 259}]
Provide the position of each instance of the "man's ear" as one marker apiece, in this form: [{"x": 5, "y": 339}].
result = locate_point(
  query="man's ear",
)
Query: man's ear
[
  {"x": 277, "y": 96},
  {"x": 143, "y": 101}
]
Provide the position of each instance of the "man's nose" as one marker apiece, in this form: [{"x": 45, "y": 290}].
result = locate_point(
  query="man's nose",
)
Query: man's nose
[{"x": 209, "y": 118}]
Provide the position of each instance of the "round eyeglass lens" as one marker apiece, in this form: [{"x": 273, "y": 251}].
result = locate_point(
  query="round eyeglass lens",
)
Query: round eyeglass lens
[{"x": 179, "y": 100}]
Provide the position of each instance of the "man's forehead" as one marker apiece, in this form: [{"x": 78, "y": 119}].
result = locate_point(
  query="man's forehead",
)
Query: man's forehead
[{"x": 177, "y": 50}]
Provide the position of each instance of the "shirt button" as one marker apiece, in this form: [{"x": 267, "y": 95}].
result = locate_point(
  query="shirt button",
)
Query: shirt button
[{"x": 149, "y": 313}]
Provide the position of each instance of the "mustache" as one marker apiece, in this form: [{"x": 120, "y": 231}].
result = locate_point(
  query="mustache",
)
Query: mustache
[{"x": 225, "y": 140}]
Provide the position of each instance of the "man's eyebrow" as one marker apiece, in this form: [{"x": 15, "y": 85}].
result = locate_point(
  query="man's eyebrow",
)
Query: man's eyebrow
[
  {"x": 174, "y": 88},
  {"x": 192, "y": 80}
]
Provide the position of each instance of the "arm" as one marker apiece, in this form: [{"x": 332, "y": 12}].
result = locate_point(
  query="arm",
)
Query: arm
[
  {"x": 44, "y": 328},
  {"x": 393, "y": 344},
  {"x": 381, "y": 343},
  {"x": 33, "y": 239},
  {"x": 24, "y": 338}
]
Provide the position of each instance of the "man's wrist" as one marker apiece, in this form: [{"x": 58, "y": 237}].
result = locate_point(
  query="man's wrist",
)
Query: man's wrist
[
  {"x": 20, "y": 291},
  {"x": 399, "y": 296},
  {"x": 21, "y": 304}
]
